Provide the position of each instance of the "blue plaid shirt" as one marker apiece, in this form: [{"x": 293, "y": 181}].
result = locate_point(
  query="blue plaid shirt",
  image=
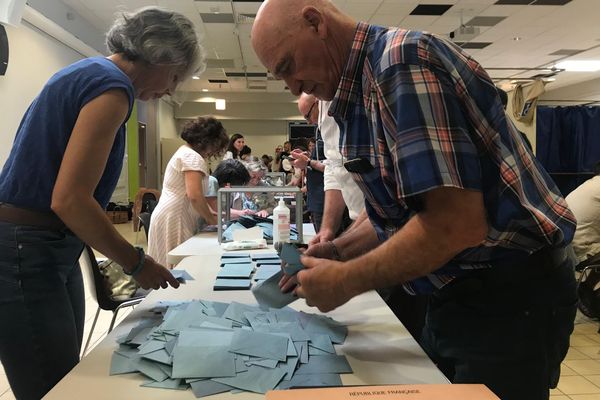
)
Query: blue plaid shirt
[{"x": 426, "y": 115}]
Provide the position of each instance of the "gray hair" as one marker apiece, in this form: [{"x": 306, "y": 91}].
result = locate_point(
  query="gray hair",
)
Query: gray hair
[
  {"x": 158, "y": 37},
  {"x": 256, "y": 165}
]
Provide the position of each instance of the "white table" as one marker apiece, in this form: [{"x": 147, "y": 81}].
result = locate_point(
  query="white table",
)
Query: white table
[
  {"x": 378, "y": 347},
  {"x": 206, "y": 243}
]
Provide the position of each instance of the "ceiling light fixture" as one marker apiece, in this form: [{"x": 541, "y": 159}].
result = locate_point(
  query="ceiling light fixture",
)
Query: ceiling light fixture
[
  {"x": 219, "y": 104},
  {"x": 195, "y": 77},
  {"x": 205, "y": 90},
  {"x": 579, "y": 65}
]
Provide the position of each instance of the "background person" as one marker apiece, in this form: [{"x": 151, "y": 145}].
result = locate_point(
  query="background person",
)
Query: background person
[
  {"x": 310, "y": 162},
  {"x": 182, "y": 200},
  {"x": 584, "y": 201},
  {"x": 59, "y": 177},
  {"x": 236, "y": 144}
]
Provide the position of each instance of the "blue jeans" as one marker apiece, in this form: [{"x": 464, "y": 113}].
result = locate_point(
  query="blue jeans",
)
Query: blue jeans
[{"x": 42, "y": 308}]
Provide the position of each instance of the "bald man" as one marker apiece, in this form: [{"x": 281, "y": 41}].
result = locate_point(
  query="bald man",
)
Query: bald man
[{"x": 459, "y": 208}]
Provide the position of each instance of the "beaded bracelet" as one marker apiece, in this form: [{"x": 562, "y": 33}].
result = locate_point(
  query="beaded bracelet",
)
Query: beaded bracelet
[{"x": 140, "y": 265}]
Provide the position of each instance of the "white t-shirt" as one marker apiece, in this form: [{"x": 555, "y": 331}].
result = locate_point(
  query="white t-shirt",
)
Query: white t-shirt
[{"x": 336, "y": 177}]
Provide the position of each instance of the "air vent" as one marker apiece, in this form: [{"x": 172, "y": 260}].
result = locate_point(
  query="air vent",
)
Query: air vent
[
  {"x": 430, "y": 9},
  {"x": 246, "y": 18},
  {"x": 565, "y": 52},
  {"x": 211, "y": 18},
  {"x": 485, "y": 21},
  {"x": 473, "y": 45},
  {"x": 220, "y": 63},
  {"x": 218, "y": 81},
  {"x": 248, "y": 74}
]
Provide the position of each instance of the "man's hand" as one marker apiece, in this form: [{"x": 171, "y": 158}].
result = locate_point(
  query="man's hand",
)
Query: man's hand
[
  {"x": 323, "y": 284},
  {"x": 324, "y": 235},
  {"x": 155, "y": 276},
  {"x": 301, "y": 159},
  {"x": 321, "y": 250}
]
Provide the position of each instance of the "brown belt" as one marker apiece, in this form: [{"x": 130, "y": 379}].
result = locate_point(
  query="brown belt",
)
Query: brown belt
[{"x": 23, "y": 216}]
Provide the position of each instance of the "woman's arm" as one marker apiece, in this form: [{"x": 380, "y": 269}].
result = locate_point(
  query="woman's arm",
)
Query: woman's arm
[
  {"x": 195, "y": 192},
  {"x": 80, "y": 171}
]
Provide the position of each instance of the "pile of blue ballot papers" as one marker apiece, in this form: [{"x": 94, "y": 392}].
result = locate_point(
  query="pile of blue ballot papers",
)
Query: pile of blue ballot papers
[
  {"x": 238, "y": 270},
  {"x": 214, "y": 347}
]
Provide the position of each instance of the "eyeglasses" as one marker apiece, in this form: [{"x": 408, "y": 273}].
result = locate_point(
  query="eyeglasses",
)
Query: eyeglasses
[{"x": 307, "y": 115}]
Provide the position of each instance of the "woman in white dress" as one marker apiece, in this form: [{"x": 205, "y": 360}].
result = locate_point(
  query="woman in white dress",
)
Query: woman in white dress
[
  {"x": 236, "y": 144},
  {"x": 182, "y": 199}
]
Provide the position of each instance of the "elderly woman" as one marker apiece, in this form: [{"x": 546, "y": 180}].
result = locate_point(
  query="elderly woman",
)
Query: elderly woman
[
  {"x": 183, "y": 198},
  {"x": 259, "y": 204},
  {"x": 59, "y": 177}
]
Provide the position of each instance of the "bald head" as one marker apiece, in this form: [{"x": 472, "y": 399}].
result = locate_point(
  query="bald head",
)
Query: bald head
[
  {"x": 307, "y": 105},
  {"x": 304, "y": 42}
]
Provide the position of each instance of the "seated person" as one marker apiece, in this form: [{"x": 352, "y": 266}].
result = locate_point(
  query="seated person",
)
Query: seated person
[
  {"x": 259, "y": 204},
  {"x": 228, "y": 173},
  {"x": 245, "y": 153}
]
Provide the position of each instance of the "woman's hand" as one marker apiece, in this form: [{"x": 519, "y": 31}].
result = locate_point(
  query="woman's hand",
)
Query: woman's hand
[
  {"x": 262, "y": 214},
  {"x": 155, "y": 276}
]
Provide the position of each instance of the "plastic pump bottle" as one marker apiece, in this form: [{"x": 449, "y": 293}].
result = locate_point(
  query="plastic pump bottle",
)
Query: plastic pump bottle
[{"x": 281, "y": 223}]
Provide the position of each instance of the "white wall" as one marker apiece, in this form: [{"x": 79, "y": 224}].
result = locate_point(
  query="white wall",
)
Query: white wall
[
  {"x": 167, "y": 126},
  {"x": 33, "y": 58}
]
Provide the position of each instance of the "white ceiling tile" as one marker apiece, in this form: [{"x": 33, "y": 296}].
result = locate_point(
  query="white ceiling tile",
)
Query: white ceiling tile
[
  {"x": 419, "y": 22},
  {"x": 392, "y": 7},
  {"x": 384, "y": 20},
  {"x": 361, "y": 11},
  {"x": 501, "y": 10}
]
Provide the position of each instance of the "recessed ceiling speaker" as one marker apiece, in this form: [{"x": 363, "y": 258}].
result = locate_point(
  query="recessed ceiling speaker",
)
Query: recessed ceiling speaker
[{"x": 3, "y": 50}]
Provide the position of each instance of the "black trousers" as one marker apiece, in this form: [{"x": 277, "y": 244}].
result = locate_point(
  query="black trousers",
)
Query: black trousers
[{"x": 507, "y": 327}]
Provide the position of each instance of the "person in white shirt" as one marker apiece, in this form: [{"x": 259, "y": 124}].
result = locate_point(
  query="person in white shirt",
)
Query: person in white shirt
[
  {"x": 584, "y": 201},
  {"x": 236, "y": 144},
  {"x": 338, "y": 184}
]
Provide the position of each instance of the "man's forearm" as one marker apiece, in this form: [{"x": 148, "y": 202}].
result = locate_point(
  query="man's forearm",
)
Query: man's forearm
[
  {"x": 360, "y": 240},
  {"x": 428, "y": 241},
  {"x": 359, "y": 220},
  {"x": 333, "y": 211}
]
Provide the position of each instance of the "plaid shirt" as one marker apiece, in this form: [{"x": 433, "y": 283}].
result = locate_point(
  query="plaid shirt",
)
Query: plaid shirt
[{"x": 426, "y": 115}]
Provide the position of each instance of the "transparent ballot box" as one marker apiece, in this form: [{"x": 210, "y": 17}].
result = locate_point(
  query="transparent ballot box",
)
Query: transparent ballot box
[{"x": 269, "y": 195}]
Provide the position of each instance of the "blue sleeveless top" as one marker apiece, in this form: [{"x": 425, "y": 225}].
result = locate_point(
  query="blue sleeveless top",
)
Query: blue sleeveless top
[{"x": 28, "y": 177}]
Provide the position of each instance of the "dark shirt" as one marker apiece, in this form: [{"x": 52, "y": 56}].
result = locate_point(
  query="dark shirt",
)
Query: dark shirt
[{"x": 315, "y": 194}]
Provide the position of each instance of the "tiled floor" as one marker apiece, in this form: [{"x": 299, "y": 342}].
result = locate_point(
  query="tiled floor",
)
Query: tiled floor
[{"x": 580, "y": 377}]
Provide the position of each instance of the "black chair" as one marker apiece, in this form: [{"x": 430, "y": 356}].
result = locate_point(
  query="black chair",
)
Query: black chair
[
  {"x": 144, "y": 219},
  {"x": 90, "y": 268}
]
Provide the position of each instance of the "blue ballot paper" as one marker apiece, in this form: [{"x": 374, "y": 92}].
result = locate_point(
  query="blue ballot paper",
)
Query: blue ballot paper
[
  {"x": 235, "y": 271},
  {"x": 291, "y": 259},
  {"x": 265, "y": 256},
  {"x": 268, "y": 293},
  {"x": 235, "y": 254},
  {"x": 232, "y": 284},
  {"x": 235, "y": 261}
]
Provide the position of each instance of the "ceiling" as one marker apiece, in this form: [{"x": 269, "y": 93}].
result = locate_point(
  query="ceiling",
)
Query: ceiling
[{"x": 512, "y": 39}]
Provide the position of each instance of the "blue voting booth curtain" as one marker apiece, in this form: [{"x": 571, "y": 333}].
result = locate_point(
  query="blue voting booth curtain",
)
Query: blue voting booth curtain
[{"x": 568, "y": 143}]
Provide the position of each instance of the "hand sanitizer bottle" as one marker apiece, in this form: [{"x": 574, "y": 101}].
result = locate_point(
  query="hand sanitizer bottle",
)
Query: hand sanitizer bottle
[{"x": 281, "y": 223}]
